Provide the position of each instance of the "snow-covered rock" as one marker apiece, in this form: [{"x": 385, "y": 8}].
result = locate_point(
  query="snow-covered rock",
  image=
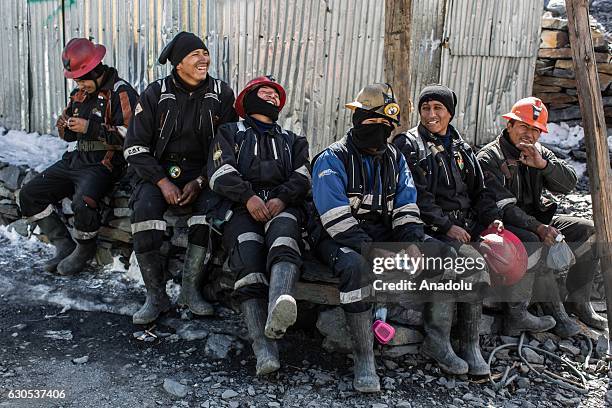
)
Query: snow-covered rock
[{"x": 31, "y": 149}]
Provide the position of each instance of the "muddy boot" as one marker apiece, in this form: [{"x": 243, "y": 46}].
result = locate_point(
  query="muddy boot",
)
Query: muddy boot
[
  {"x": 193, "y": 273},
  {"x": 79, "y": 258},
  {"x": 157, "y": 300},
  {"x": 282, "y": 309},
  {"x": 266, "y": 352},
  {"x": 438, "y": 319},
  {"x": 53, "y": 227},
  {"x": 579, "y": 303},
  {"x": 364, "y": 371},
  {"x": 565, "y": 326},
  {"x": 468, "y": 317},
  {"x": 518, "y": 319}
]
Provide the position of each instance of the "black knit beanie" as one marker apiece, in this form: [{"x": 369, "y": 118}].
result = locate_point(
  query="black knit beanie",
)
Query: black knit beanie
[
  {"x": 180, "y": 46},
  {"x": 441, "y": 94}
]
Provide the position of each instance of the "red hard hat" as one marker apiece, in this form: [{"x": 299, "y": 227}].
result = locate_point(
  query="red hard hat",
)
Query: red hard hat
[
  {"x": 81, "y": 56},
  {"x": 256, "y": 83},
  {"x": 531, "y": 111},
  {"x": 506, "y": 256}
]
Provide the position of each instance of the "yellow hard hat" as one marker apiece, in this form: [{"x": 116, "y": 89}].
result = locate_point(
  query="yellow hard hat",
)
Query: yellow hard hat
[{"x": 377, "y": 98}]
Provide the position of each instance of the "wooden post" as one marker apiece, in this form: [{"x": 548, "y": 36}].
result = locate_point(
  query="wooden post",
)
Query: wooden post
[
  {"x": 398, "y": 18},
  {"x": 594, "y": 123}
]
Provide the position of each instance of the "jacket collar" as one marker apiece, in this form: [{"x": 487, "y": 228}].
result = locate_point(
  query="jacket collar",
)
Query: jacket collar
[
  {"x": 508, "y": 148},
  {"x": 430, "y": 137}
]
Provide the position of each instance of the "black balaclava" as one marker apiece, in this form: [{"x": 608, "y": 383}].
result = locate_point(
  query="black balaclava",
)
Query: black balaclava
[
  {"x": 372, "y": 135},
  {"x": 94, "y": 74},
  {"x": 180, "y": 46},
  {"x": 439, "y": 93},
  {"x": 254, "y": 104}
]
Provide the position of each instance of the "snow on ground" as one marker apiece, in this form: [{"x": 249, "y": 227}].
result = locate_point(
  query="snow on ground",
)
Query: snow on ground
[
  {"x": 580, "y": 167},
  {"x": 36, "y": 151},
  {"x": 563, "y": 135}
]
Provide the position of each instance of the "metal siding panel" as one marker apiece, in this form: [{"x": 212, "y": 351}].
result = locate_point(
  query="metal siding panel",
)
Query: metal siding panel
[
  {"x": 316, "y": 49},
  {"x": 46, "y": 72},
  {"x": 322, "y": 51},
  {"x": 515, "y": 25},
  {"x": 14, "y": 88},
  {"x": 426, "y": 37}
]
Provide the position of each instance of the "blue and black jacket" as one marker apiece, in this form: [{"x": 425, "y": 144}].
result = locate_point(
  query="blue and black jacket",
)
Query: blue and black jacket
[{"x": 362, "y": 198}]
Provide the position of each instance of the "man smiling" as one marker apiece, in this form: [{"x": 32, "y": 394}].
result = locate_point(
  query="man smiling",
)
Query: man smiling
[
  {"x": 264, "y": 171},
  {"x": 455, "y": 207},
  {"x": 167, "y": 147},
  {"x": 517, "y": 169}
]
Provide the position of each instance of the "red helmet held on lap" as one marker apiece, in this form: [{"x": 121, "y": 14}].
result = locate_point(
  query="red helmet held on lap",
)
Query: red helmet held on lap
[
  {"x": 506, "y": 256},
  {"x": 80, "y": 56},
  {"x": 256, "y": 83}
]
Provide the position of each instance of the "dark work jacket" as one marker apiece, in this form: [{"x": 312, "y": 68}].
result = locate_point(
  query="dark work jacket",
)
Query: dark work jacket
[
  {"x": 446, "y": 181},
  {"x": 518, "y": 188},
  {"x": 171, "y": 119},
  {"x": 109, "y": 111},
  {"x": 272, "y": 164}
]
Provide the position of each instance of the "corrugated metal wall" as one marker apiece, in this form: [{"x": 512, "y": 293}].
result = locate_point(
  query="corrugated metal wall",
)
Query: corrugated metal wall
[
  {"x": 426, "y": 38},
  {"x": 14, "y": 49},
  {"x": 489, "y": 60},
  {"x": 322, "y": 51}
]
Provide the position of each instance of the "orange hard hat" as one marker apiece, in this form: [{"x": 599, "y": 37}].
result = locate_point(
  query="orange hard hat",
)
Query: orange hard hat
[
  {"x": 258, "y": 82},
  {"x": 530, "y": 110},
  {"x": 505, "y": 254}
]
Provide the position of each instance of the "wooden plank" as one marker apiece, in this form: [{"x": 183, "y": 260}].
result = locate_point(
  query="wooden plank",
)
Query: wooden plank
[
  {"x": 595, "y": 135},
  {"x": 398, "y": 21},
  {"x": 566, "y": 53},
  {"x": 553, "y": 39}
]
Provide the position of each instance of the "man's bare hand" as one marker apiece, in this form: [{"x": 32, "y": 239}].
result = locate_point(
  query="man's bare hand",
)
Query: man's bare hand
[
  {"x": 78, "y": 125},
  {"x": 257, "y": 208},
  {"x": 62, "y": 121},
  {"x": 275, "y": 206},
  {"x": 530, "y": 156},
  {"x": 458, "y": 233},
  {"x": 190, "y": 193},
  {"x": 547, "y": 234},
  {"x": 171, "y": 192}
]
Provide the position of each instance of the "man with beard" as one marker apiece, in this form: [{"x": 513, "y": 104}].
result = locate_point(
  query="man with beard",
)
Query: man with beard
[
  {"x": 363, "y": 192},
  {"x": 517, "y": 169},
  {"x": 97, "y": 118},
  {"x": 167, "y": 146},
  {"x": 455, "y": 207},
  {"x": 263, "y": 170}
]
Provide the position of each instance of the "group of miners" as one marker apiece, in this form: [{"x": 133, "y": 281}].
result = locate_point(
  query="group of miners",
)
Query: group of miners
[{"x": 187, "y": 142}]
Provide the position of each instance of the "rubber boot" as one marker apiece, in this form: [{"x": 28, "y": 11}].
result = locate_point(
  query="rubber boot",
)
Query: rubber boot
[
  {"x": 518, "y": 319},
  {"x": 53, "y": 227},
  {"x": 266, "y": 351},
  {"x": 282, "y": 308},
  {"x": 438, "y": 319},
  {"x": 193, "y": 273},
  {"x": 579, "y": 303},
  {"x": 468, "y": 316},
  {"x": 364, "y": 371},
  {"x": 157, "y": 300},
  {"x": 565, "y": 326},
  {"x": 79, "y": 258}
]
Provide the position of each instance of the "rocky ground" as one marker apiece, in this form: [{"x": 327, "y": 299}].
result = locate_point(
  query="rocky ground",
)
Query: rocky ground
[{"x": 75, "y": 335}]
